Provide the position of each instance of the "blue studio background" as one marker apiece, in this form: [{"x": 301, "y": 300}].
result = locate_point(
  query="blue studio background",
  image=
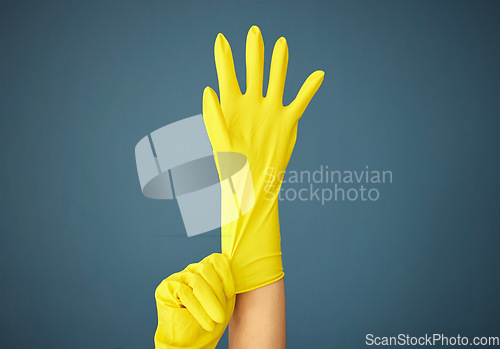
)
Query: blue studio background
[{"x": 412, "y": 87}]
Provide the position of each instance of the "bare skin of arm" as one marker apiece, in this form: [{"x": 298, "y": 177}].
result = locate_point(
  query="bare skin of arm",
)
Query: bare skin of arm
[{"x": 259, "y": 319}]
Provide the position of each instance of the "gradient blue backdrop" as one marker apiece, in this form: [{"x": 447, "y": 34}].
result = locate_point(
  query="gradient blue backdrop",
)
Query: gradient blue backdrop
[{"x": 410, "y": 86}]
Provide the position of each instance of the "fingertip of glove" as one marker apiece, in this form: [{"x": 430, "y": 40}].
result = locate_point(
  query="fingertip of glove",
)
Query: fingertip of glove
[
  {"x": 209, "y": 94},
  {"x": 254, "y": 30},
  {"x": 281, "y": 41},
  {"x": 318, "y": 74},
  {"x": 221, "y": 43},
  {"x": 220, "y": 317},
  {"x": 208, "y": 326},
  {"x": 229, "y": 288}
]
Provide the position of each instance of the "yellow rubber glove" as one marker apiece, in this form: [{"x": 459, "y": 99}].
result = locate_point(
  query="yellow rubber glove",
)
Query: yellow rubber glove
[
  {"x": 264, "y": 131},
  {"x": 195, "y": 305}
]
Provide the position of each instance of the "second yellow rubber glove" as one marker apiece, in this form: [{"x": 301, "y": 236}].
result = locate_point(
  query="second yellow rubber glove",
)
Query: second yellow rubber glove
[
  {"x": 195, "y": 305},
  {"x": 264, "y": 131}
]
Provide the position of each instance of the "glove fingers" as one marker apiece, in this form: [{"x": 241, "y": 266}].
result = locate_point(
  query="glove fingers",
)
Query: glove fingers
[
  {"x": 215, "y": 122},
  {"x": 207, "y": 272},
  {"x": 306, "y": 93},
  {"x": 228, "y": 83},
  {"x": 277, "y": 75},
  {"x": 220, "y": 264},
  {"x": 205, "y": 296},
  {"x": 255, "y": 61},
  {"x": 196, "y": 309}
]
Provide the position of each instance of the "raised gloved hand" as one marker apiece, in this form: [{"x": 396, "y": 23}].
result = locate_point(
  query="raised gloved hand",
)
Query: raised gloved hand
[
  {"x": 195, "y": 305},
  {"x": 264, "y": 131}
]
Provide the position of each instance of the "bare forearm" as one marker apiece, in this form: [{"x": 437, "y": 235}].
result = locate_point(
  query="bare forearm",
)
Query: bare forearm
[{"x": 259, "y": 318}]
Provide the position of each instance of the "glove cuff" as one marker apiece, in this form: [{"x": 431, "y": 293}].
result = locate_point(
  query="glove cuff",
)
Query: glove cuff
[
  {"x": 258, "y": 273},
  {"x": 253, "y": 245}
]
